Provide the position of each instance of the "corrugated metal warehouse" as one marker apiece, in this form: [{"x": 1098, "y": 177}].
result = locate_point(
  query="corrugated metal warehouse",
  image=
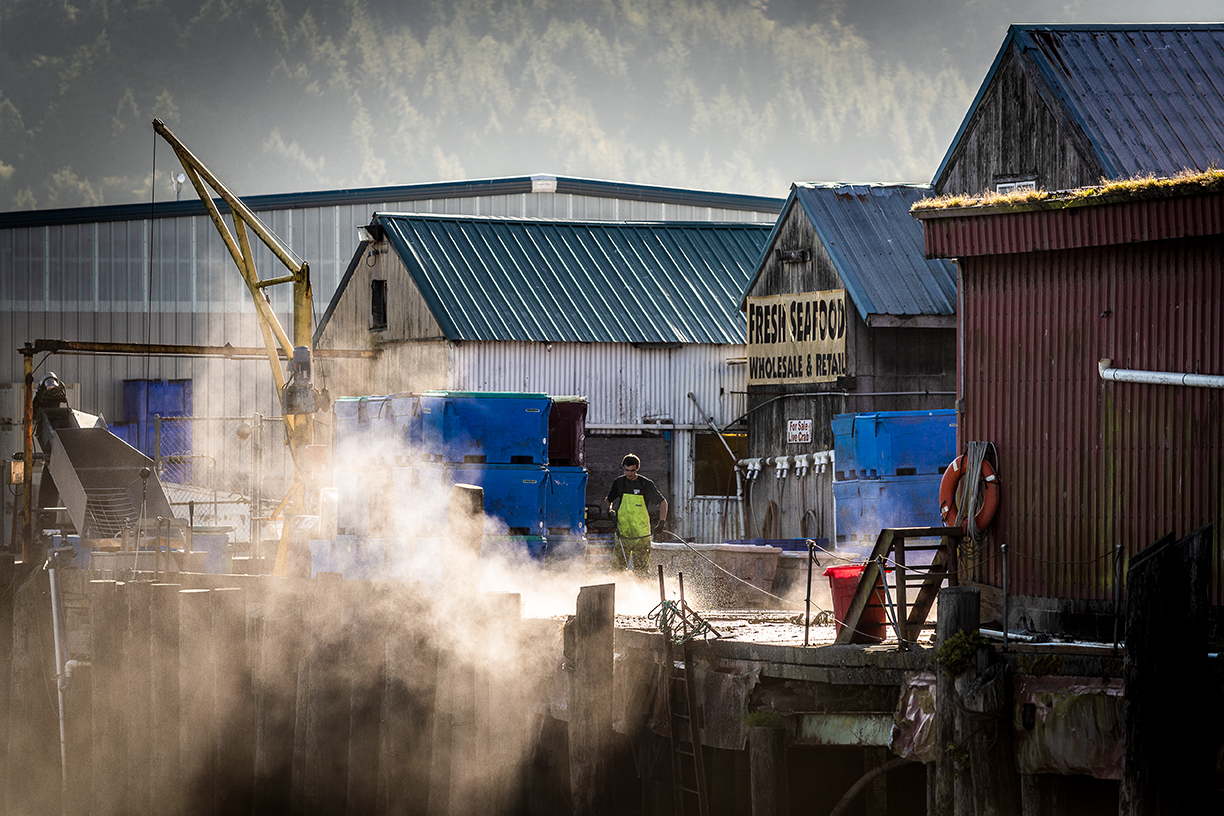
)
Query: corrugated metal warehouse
[
  {"x": 159, "y": 273},
  {"x": 896, "y": 344},
  {"x": 1049, "y": 290},
  {"x": 1064, "y": 106},
  {"x": 634, "y": 316}
]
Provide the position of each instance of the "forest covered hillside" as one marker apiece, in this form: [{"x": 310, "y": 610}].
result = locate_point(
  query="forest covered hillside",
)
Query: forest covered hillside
[{"x": 295, "y": 95}]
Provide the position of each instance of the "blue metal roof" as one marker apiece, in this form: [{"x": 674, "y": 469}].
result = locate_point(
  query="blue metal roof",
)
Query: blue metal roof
[
  {"x": 579, "y": 281},
  {"x": 876, "y": 247},
  {"x": 515, "y": 185},
  {"x": 1148, "y": 98}
]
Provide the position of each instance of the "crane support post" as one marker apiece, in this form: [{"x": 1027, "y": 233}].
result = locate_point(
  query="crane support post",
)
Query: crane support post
[{"x": 297, "y": 400}]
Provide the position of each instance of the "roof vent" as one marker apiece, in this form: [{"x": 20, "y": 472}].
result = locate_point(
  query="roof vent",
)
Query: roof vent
[
  {"x": 543, "y": 183},
  {"x": 793, "y": 255}
]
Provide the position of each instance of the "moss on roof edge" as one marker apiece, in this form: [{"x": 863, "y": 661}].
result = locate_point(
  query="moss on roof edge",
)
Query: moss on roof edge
[{"x": 1138, "y": 188}]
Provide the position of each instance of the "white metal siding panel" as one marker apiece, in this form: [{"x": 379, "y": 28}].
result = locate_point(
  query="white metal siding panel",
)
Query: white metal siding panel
[
  {"x": 712, "y": 520},
  {"x": 623, "y": 385}
]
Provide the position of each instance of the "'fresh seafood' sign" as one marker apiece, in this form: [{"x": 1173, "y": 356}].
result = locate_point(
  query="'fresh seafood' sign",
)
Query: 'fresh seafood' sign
[{"x": 797, "y": 338}]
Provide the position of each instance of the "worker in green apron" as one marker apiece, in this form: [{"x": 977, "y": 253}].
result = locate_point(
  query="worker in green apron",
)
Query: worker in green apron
[{"x": 629, "y": 501}]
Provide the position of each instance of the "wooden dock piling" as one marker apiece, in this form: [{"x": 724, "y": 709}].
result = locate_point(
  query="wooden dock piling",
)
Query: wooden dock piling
[
  {"x": 108, "y": 630},
  {"x": 164, "y": 748},
  {"x": 137, "y": 697},
  {"x": 769, "y": 780},
  {"x": 278, "y": 626},
  {"x": 959, "y": 608},
  {"x": 590, "y": 698},
  {"x": 233, "y": 703},
  {"x": 197, "y": 734}
]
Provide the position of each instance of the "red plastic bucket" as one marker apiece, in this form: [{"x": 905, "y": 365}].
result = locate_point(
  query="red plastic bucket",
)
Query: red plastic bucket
[{"x": 843, "y": 581}]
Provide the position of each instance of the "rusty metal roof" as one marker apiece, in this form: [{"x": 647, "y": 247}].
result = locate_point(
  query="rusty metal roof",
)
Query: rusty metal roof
[
  {"x": 1148, "y": 98},
  {"x": 579, "y": 281},
  {"x": 877, "y": 249}
]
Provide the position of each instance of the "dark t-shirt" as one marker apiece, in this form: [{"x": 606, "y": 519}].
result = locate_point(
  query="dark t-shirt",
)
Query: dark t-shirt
[{"x": 641, "y": 486}]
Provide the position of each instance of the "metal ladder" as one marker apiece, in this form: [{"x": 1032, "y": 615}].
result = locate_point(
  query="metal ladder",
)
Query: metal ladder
[{"x": 688, "y": 764}]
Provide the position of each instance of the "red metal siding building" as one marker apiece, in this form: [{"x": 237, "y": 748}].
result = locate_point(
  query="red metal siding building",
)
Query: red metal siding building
[{"x": 1046, "y": 291}]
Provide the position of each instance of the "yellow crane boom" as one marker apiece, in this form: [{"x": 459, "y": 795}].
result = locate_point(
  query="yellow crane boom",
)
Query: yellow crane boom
[{"x": 297, "y": 398}]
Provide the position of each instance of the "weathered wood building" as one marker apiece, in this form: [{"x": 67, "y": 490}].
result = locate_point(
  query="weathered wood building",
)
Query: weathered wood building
[
  {"x": 843, "y": 283},
  {"x": 639, "y": 318},
  {"x": 1064, "y": 106}
]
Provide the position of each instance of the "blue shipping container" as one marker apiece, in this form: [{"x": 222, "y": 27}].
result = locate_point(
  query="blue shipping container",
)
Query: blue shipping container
[
  {"x": 495, "y": 428},
  {"x": 135, "y": 400},
  {"x": 127, "y": 431},
  {"x": 565, "y": 498},
  {"x": 169, "y": 398},
  {"x": 893, "y": 443}
]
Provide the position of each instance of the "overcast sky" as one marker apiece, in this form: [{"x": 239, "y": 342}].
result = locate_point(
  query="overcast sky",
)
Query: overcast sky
[{"x": 297, "y": 95}]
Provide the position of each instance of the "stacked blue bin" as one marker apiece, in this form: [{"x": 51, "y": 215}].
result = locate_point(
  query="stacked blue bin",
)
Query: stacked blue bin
[
  {"x": 418, "y": 447},
  {"x": 143, "y": 402},
  {"x": 565, "y": 511},
  {"x": 490, "y": 427},
  {"x": 887, "y": 469},
  {"x": 406, "y": 419},
  {"x": 365, "y": 430},
  {"x": 499, "y": 442}
]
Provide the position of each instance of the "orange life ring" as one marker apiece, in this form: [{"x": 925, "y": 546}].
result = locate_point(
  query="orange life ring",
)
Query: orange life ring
[{"x": 947, "y": 494}]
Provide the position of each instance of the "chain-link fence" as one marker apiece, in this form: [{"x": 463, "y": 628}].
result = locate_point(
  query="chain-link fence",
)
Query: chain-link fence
[{"x": 214, "y": 470}]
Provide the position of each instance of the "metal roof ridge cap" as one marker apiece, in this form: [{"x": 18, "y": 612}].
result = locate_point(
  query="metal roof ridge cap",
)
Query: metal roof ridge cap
[
  {"x": 555, "y": 222},
  {"x": 414, "y": 191},
  {"x": 829, "y": 185}
]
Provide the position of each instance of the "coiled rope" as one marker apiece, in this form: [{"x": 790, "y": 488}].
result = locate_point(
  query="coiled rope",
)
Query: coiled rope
[{"x": 972, "y": 494}]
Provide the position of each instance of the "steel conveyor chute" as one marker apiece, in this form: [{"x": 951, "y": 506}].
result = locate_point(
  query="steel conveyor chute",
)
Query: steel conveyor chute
[{"x": 98, "y": 476}]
